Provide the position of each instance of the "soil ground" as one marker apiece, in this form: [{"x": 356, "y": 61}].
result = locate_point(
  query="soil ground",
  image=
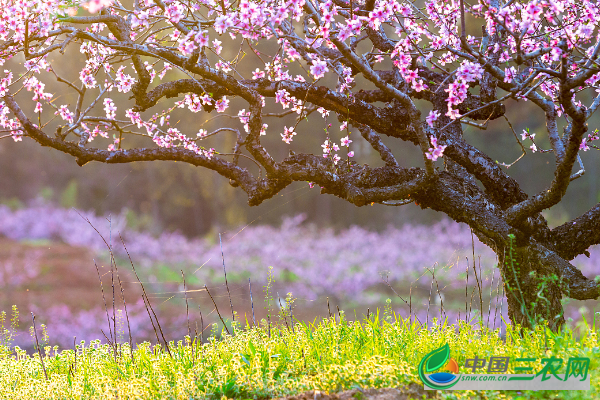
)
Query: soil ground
[
  {"x": 66, "y": 275},
  {"x": 413, "y": 391}
]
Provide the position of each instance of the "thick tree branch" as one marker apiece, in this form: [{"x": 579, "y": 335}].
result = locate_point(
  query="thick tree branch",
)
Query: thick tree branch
[
  {"x": 575, "y": 237},
  {"x": 84, "y": 155},
  {"x": 375, "y": 142},
  {"x": 574, "y": 284},
  {"x": 471, "y": 207}
]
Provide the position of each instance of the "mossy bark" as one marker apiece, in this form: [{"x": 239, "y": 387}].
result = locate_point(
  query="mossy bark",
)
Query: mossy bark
[{"x": 532, "y": 288}]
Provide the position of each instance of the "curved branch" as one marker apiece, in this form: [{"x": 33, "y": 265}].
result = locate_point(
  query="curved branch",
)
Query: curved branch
[
  {"x": 574, "y": 237},
  {"x": 84, "y": 155},
  {"x": 575, "y": 284},
  {"x": 375, "y": 142}
]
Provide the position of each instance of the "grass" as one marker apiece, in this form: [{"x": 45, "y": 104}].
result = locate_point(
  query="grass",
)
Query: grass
[
  {"x": 329, "y": 355},
  {"x": 278, "y": 359}
]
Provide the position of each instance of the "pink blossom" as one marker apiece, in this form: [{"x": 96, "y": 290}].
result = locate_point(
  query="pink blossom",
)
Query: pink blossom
[
  {"x": 93, "y": 6},
  {"x": 418, "y": 85},
  {"x": 453, "y": 113},
  {"x": 217, "y": 46},
  {"x": 324, "y": 112},
  {"x": 527, "y": 135},
  {"x": 222, "y": 104},
  {"x": 436, "y": 151},
  {"x": 110, "y": 108},
  {"x": 65, "y": 114},
  {"x": 224, "y": 66},
  {"x": 410, "y": 75},
  {"x": 288, "y": 134},
  {"x": 17, "y": 136},
  {"x": 432, "y": 117},
  {"x": 258, "y": 74},
  {"x": 206, "y": 99},
  {"x": 175, "y": 12},
  {"x": 318, "y": 68},
  {"x": 326, "y": 147},
  {"x": 509, "y": 74}
]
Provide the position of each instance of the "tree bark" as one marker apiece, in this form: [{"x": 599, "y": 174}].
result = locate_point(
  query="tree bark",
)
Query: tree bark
[{"x": 533, "y": 290}]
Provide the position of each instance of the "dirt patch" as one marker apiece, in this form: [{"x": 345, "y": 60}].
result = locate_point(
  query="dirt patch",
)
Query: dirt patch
[
  {"x": 412, "y": 391},
  {"x": 40, "y": 274}
]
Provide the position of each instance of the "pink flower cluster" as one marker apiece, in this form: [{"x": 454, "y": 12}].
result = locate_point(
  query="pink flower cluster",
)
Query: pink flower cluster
[
  {"x": 457, "y": 91},
  {"x": 93, "y": 6},
  {"x": 124, "y": 81},
  {"x": 585, "y": 142},
  {"x": 436, "y": 151},
  {"x": 288, "y": 134}
]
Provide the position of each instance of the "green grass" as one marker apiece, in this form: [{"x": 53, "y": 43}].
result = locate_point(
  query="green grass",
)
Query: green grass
[{"x": 329, "y": 355}]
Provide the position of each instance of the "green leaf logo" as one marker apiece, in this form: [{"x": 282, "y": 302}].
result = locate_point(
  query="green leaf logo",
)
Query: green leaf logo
[{"x": 438, "y": 358}]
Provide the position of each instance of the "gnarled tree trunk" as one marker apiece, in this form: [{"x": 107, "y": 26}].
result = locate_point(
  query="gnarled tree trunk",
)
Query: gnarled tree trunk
[{"x": 532, "y": 288}]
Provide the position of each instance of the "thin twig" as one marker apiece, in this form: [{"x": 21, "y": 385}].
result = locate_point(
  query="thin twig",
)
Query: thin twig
[
  {"x": 466, "y": 291},
  {"x": 226, "y": 285},
  {"x": 501, "y": 305},
  {"x": 410, "y": 305},
  {"x": 491, "y": 297},
  {"x": 201, "y": 326},
  {"x": 187, "y": 311},
  {"x": 290, "y": 306},
  {"x": 75, "y": 350},
  {"x": 107, "y": 339},
  {"x": 217, "y": 308},
  {"x": 126, "y": 313},
  {"x": 112, "y": 281},
  {"x": 437, "y": 287},
  {"x": 104, "y": 298},
  {"x": 147, "y": 301},
  {"x": 283, "y": 312},
  {"x": 496, "y": 302},
  {"x": 523, "y": 152},
  {"x": 428, "y": 304},
  {"x": 251, "y": 302},
  {"x": 386, "y": 280},
  {"x": 38, "y": 346},
  {"x": 476, "y": 277}
]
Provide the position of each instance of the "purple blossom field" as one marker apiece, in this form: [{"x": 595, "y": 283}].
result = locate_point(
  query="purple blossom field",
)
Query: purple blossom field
[{"x": 355, "y": 268}]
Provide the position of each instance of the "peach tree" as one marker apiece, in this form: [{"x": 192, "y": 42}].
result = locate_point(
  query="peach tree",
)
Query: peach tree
[{"x": 371, "y": 65}]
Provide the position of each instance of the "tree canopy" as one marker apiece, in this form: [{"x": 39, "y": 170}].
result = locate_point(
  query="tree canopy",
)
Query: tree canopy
[{"x": 415, "y": 72}]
